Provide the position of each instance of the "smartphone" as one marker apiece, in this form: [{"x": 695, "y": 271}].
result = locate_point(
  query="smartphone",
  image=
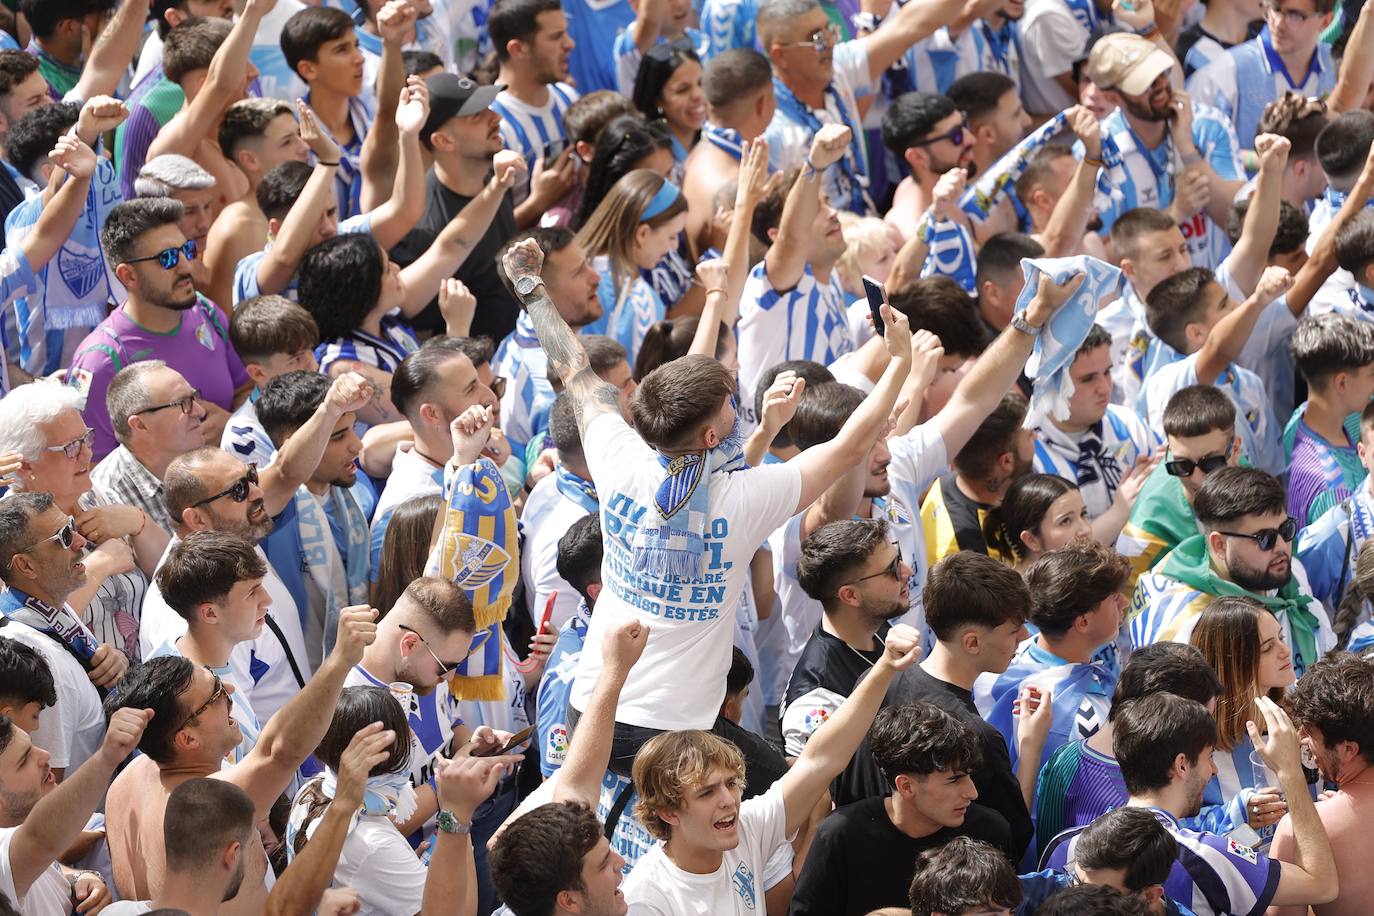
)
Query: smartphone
[
  {"x": 515, "y": 741},
  {"x": 876, "y": 297},
  {"x": 548, "y": 613}
]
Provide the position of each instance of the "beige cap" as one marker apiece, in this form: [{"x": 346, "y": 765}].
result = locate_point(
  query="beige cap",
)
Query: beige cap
[{"x": 1127, "y": 62}]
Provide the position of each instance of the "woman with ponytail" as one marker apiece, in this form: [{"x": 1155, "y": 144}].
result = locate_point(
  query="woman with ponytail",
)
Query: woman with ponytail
[{"x": 1042, "y": 512}]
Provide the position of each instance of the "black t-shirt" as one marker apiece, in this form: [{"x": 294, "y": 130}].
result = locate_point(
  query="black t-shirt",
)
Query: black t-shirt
[
  {"x": 860, "y": 862},
  {"x": 997, "y": 785},
  {"x": 497, "y": 309}
]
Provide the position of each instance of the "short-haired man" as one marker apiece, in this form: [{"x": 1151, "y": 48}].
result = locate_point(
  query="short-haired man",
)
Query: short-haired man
[
  {"x": 40, "y": 565},
  {"x": 22, "y": 89},
  {"x": 1244, "y": 548},
  {"x": 215, "y": 582},
  {"x": 163, "y": 318},
  {"x": 533, "y": 47},
  {"x": 572, "y": 284},
  {"x": 1335, "y": 354},
  {"x": 999, "y": 277},
  {"x": 166, "y": 15},
  {"x": 1299, "y": 120},
  {"x": 190, "y": 733},
  {"x": 1078, "y": 605},
  {"x": 961, "y": 878},
  {"x": 819, "y": 81},
  {"x": 996, "y": 118},
  {"x": 179, "y": 178},
  {"x": 863, "y": 854},
  {"x": 1333, "y": 709},
  {"x": 40, "y": 820},
  {"x": 977, "y": 609},
  {"x": 205, "y": 833},
  {"x": 273, "y": 336},
  {"x": 1250, "y": 75},
  {"x": 26, "y": 684},
  {"x": 420, "y": 641},
  {"x": 156, "y": 415},
  {"x": 1164, "y": 745},
  {"x": 930, "y": 134},
  {"x": 1099, "y": 443}
]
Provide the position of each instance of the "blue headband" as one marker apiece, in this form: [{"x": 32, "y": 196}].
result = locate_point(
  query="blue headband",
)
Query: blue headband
[{"x": 667, "y": 196}]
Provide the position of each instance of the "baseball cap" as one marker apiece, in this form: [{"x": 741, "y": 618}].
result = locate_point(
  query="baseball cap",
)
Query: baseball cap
[
  {"x": 454, "y": 96},
  {"x": 1127, "y": 62}
]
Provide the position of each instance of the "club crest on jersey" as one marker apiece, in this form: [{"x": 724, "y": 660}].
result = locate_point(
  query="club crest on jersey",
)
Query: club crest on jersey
[{"x": 205, "y": 338}]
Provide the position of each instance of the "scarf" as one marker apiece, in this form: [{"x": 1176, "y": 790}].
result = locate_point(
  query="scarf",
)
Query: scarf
[
  {"x": 725, "y": 139},
  {"x": 675, "y": 543},
  {"x": 1057, "y": 345},
  {"x": 988, "y": 189},
  {"x": 1190, "y": 564},
  {"x": 334, "y": 551},
  {"x": 851, "y": 164},
  {"x": 478, "y": 549},
  {"x": 950, "y": 251},
  {"x": 1095, "y": 462},
  {"x": 577, "y": 490},
  {"x": 386, "y": 793},
  {"x": 58, "y": 623}
]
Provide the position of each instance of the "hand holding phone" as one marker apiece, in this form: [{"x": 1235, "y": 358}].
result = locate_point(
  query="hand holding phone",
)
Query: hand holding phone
[{"x": 876, "y": 297}]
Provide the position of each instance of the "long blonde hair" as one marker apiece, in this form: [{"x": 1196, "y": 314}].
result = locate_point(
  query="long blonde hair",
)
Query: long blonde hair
[
  {"x": 1228, "y": 635},
  {"x": 610, "y": 230}
]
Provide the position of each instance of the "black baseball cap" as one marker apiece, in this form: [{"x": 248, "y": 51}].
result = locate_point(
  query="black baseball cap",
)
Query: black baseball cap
[{"x": 454, "y": 96}]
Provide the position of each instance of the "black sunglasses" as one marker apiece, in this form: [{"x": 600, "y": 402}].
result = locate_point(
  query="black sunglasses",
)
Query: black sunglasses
[
  {"x": 894, "y": 569},
  {"x": 1184, "y": 467},
  {"x": 445, "y": 668},
  {"x": 170, "y": 257},
  {"x": 219, "y": 693},
  {"x": 955, "y": 136},
  {"x": 1266, "y": 538},
  {"x": 238, "y": 492}
]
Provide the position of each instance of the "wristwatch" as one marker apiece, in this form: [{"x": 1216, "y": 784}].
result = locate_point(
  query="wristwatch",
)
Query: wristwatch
[
  {"x": 447, "y": 823},
  {"x": 1025, "y": 327},
  {"x": 526, "y": 285}
]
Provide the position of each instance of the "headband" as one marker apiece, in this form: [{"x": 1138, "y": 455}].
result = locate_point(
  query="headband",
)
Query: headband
[{"x": 667, "y": 195}]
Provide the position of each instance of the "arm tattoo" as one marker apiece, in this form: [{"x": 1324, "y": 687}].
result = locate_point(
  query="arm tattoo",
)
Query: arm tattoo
[{"x": 566, "y": 353}]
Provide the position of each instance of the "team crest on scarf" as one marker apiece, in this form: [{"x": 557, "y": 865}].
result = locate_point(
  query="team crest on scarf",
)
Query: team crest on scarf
[
  {"x": 474, "y": 561},
  {"x": 79, "y": 269},
  {"x": 684, "y": 474}
]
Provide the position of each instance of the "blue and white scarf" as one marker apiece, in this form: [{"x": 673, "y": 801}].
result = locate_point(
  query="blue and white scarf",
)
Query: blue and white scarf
[
  {"x": 1057, "y": 345},
  {"x": 852, "y": 163},
  {"x": 574, "y": 488},
  {"x": 675, "y": 543},
  {"x": 949, "y": 251},
  {"x": 385, "y": 794},
  {"x": 988, "y": 189},
  {"x": 59, "y": 623},
  {"x": 726, "y": 139}
]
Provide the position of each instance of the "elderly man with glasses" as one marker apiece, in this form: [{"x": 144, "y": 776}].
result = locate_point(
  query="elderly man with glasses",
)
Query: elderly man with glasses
[
  {"x": 164, "y": 318},
  {"x": 40, "y": 564}
]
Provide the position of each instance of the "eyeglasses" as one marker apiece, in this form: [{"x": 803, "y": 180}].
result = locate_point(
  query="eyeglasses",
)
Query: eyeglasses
[
  {"x": 820, "y": 40},
  {"x": 238, "y": 492},
  {"x": 667, "y": 50},
  {"x": 894, "y": 569},
  {"x": 498, "y": 386},
  {"x": 1266, "y": 538},
  {"x": 219, "y": 693},
  {"x": 955, "y": 136},
  {"x": 170, "y": 257},
  {"x": 1292, "y": 17},
  {"x": 184, "y": 403},
  {"x": 1184, "y": 467},
  {"x": 73, "y": 448},
  {"x": 444, "y": 667}
]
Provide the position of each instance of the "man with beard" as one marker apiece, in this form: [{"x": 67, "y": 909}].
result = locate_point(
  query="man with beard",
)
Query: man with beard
[
  {"x": 211, "y": 490},
  {"x": 205, "y": 833},
  {"x": 1151, "y": 144},
  {"x": 163, "y": 318},
  {"x": 1164, "y": 745},
  {"x": 1333, "y": 708},
  {"x": 932, "y": 136},
  {"x": 1245, "y": 548},
  {"x": 820, "y": 82},
  {"x": 572, "y": 285},
  {"x": 531, "y": 41}
]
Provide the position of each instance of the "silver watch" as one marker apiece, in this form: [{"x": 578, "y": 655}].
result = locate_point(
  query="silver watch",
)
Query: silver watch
[
  {"x": 526, "y": 285},
  {"x": 447, "y": 823},
  {"x": 1025, "y": 327}
]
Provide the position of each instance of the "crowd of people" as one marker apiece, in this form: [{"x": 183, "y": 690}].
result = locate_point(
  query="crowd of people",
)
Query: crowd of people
[{"x": 660, "y": 457}]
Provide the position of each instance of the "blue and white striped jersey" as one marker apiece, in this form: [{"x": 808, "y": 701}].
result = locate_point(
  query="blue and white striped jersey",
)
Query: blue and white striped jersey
[
  {"x": 626, "y": 315},
  {"x": 593, "y": 25},
  {"x": 728, "y": 24},
  {"x": 244, "y": 436},
  {"x": 246, "y": 273},
  {"x": 529, "y": 397},
  {"x": 1097, "y": 458},
  {"x": 386, "y": 352},
  {"x": 535, "y": 133}
]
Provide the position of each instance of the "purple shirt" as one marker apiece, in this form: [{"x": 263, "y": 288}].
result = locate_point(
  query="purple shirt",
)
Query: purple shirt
[{"x": 199, "y": 349}]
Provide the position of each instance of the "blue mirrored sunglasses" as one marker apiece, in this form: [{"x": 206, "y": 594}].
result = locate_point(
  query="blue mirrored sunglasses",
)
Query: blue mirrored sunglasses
[{"x": 169, "y": 257}]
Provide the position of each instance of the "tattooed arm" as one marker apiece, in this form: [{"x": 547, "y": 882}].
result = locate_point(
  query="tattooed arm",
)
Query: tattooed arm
[{"x": 567, "y": 357}]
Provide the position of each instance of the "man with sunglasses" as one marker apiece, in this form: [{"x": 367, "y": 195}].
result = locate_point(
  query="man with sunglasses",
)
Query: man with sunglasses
[
  {"x": 1287, "y": 54},
  {"x": 931, "y": 136},
  {"x": 40, "y": 565},
  {"x": 164, "y": 318},
  {"x": 1245, "y": 548}
]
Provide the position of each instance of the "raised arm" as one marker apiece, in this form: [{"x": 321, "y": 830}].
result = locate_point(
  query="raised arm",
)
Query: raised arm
[
  {"x": 451, "y": 247},
  {"x": 1357, "y": 67},
  {"x": 786, "y": 258},
  {"x": 300, "y": 455},
  {"x": 58, "y": 218},
  {"x": 753, "y": 185},
  {"x": 648, "y": 23},
  {"x": 911, "y": 23},
  {"x": 1222, "y": 190},
  {"x": 591, "y": 395},
  {"x": 310, "y": 873},
  {"x": 1229, "y": 335},
  {"x": 944, "y": 205},
  {"x": 1247, "y": 260},
  {"x": 223, "y": 84},
  {"x": 114, "y": 49},
  {"x": 822, "y": 464},
  {"x": 590, "y": 751},
  {"x": 56, "y": 821},
  {"x": 403, "y": 209},
  {"x": 1322, "y": 263},
  {"x": 832, "y": 746},
  {"x": 451, "y": 880},
  {"x": 302, "y": 221},
  {"x": 378, "y": 161},
  {"x": 1068, "y": 221},
  {"x": 1311, "y": 879},
  {"x": 293, "y": 733},
  {"x": 779, "y": 407},
  {"x": 996, "y": 370}
]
